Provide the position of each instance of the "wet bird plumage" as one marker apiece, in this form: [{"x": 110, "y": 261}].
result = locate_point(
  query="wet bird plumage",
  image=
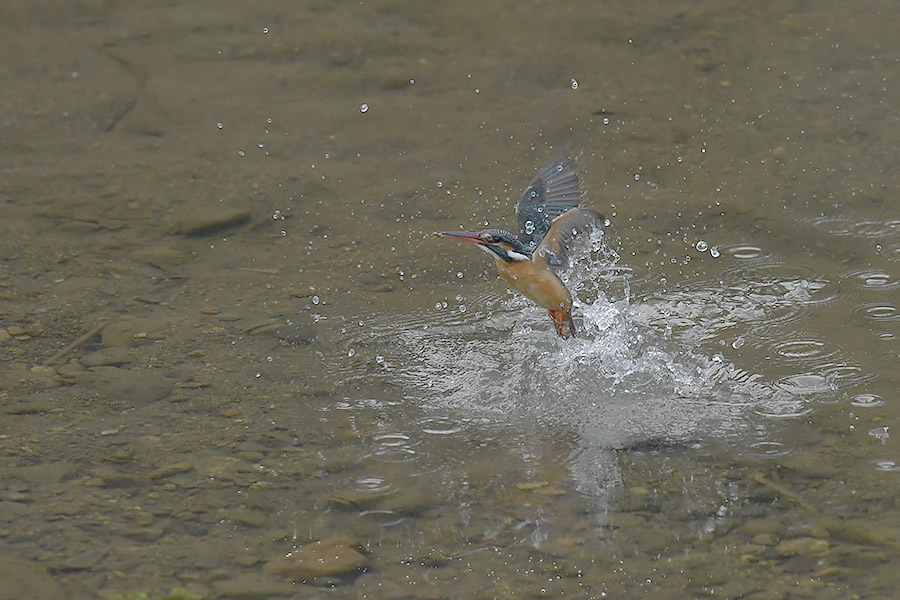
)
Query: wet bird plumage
[{"x": 550, "y": 220}]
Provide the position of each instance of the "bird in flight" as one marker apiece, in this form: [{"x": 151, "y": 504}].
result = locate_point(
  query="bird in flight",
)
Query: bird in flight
[{"x": 550, "y": 221}]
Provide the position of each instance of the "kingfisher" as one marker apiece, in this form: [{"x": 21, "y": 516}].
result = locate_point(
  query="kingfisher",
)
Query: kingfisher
[{"x": 550, "y": 220}]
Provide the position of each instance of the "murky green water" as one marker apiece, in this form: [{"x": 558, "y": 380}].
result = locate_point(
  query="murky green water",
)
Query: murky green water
[{"x": 227, "y": 335}]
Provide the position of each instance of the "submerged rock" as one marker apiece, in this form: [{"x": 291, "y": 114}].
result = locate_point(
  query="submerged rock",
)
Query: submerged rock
[
  {"x": 802, "y": 546},
  {"x": 122, "y": 385},
  {"x": 333, "y": 556},
  {"x": 107, "y": 357},
  {"x": 210, "y": 219},
  {"x": 128, "y": 332}
]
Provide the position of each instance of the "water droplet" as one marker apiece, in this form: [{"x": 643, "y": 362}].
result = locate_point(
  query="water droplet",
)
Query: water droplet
[
  {"x": 574, "y": 83},
  {"x": 363, "y": 107},
  {"x": 352, "y": 352},
  {"x": 462, "y": 308},
  {"x": 738, "y": 342},
  {"x": 880, "y": 433},
  {"x": 440, "y": 184},
  {"x": 701, "y": 246},
  {"x": 379, "y": 359},
  {"x": 265, "y": 30},
  {"x": 459, "y": 274},
  {"x": 529, "y": 227},
  {"x": 315, "y": 300},
  {"x": 714, "y": 252},
  {"x": 219, "y": 125}
]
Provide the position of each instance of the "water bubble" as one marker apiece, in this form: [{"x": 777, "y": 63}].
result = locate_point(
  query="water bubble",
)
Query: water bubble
[
  {"x": 219, "y": 125},
  {"x": 738, "y": 342},
  {"x": 574, "y": 83},
  {"x": 880, "y": 433},
  {"x": 440, "y": 184},
  {"x": 363, "y": 107},
  {"x": 701, "y": 246},
  {"x": 352, "y": 352},
  {"x": 315, "y": 300},
  {"x": 714, "y": 252},
  {"x": 265, "y": 30},
  {"x": 379, "y": 359},
  {"x": 529, "y": 227},
  {"x": 459, "y": 274},
  {"x": 462, "y": 308}
]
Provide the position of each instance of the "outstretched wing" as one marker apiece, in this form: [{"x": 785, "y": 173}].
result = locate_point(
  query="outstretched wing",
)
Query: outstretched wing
[
  {"x": 553, "y": 191},
  {"x": 564, "y": 233}
]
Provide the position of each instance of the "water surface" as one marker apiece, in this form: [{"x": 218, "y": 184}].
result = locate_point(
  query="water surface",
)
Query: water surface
[{"x": 227, "y": 334}]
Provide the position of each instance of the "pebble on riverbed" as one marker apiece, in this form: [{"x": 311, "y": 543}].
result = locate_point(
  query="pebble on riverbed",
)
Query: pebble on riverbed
[
  {"x": 210, "y": 220},
  {"x": 129, "y": 331},
  {"x": 331, "y": 557}
]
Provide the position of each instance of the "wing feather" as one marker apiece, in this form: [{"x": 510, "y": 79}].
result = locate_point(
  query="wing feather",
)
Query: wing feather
[
  {"x": 555, "y": 190},
  {"x": 565, "y": 231}
]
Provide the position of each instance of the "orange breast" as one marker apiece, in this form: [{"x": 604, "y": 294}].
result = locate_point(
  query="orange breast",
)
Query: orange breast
[{"x": 539, "y": 284}]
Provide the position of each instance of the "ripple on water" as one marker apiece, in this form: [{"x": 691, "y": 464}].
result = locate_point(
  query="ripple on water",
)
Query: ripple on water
[
  {"x": 770, "y": 449},
  {"x": 886, "y": 465},
  {"x": 845, "y": 374},
  {"x": 877, "y": 311},
  {"x": 872, "y": 279},
  {"x": 802, "y": 350},
  {"x": 373, "y": 484},
  {"x": 744, "y": 251},
  {"x": 441, "y": 425},
  {"x": 867, "y": 400},
  {"x": 864, "y": 229},
  {"x": 394, "y": 447}
]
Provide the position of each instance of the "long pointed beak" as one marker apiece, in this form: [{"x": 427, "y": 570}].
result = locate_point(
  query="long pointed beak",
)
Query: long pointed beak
[{"x": 462, "y": 236}]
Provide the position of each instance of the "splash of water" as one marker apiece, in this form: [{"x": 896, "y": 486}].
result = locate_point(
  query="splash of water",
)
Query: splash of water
[{"x": 625, "y": 381}]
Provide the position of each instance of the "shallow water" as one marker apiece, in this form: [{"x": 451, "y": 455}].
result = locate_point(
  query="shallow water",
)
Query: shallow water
[{"x": 227, "y": 333}]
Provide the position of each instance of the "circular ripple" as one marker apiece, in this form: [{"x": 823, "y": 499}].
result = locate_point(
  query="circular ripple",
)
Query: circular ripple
[
  {"x": 743, "y": 251},
  {"x": 845, "y": 374},
  {"x": 801, "y": 350},
  {"x": 771, "y": 449},
  {"x": 867, "y": 400},
  {"x": 804, "y": 384},
  {"x": 877, "y": 311},
  {"x": 441, "y": 426},
  {"x": 372, "y": 484},
  {"x": 886, "y": 465},
  {"x": 865, "y": 229},
  {"x": 872, "y": 279},
  {"x": 394, "y": 447}
]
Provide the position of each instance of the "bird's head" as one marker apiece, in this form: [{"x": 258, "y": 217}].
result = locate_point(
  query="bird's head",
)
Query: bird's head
[{"x": 500, "y": 244}]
